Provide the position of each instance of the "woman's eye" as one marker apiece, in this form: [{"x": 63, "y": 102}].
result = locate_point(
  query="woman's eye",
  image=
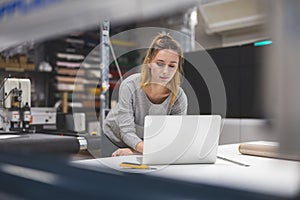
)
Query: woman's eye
[
  {"x": 160, "y": 64},
  {"x": 172, "y": 66}
]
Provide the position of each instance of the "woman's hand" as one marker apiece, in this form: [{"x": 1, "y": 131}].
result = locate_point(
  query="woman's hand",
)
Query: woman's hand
[
  {"x": 124, "y": 152},
  {"x": 129, "y": 151},
  {"x": 140, "y": 147}
]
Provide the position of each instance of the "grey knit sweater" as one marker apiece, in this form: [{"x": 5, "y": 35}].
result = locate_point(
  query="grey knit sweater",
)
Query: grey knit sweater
[{"x": 124, "y": 124}]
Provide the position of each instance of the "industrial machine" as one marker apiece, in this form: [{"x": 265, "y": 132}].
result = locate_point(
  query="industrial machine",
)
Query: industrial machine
[
  {"x": 17, "y": 116},
  {"x": 15, "y": 104},
  {"x": 16, "y": 113}
]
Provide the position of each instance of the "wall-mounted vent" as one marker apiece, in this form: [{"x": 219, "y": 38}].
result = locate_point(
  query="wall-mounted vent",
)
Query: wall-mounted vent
[{"x": 229, "y": 15}]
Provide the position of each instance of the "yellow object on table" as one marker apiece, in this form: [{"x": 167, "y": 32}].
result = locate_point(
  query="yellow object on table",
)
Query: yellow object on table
[{"x": 135, "y": 165}]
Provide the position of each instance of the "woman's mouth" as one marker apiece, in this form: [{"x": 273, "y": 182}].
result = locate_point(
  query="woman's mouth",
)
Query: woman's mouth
[{"x": 164, "y": 78}]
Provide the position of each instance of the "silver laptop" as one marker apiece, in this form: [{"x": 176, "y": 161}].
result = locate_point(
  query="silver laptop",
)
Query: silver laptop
[{"x": 181, "y": 139}]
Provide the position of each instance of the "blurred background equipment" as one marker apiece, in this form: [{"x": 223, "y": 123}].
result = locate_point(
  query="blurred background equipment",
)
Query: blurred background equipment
[
  {"x": 281, "y": 75},
  {"x": 15, "y": 104}
]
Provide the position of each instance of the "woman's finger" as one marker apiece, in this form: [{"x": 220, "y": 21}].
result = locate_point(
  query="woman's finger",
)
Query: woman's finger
[{"x": 116, "y": 153}]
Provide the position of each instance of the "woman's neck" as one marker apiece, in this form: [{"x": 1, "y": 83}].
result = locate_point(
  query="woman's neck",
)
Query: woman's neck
[
  {"x": 158, "y": 88},
  {"x": 156, "y": 93}
]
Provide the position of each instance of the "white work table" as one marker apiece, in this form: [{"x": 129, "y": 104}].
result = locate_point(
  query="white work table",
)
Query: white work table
[{"x": 264, "y": 175}]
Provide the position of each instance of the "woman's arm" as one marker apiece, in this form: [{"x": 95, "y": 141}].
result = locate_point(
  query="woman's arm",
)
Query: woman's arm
[{"x": 125, "y": 116}]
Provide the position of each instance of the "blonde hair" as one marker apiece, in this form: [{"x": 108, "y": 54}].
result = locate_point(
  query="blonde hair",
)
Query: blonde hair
[{"x": 161, "y": 42}]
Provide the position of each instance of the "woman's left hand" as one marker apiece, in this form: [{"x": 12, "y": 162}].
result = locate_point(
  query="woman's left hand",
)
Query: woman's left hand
[{"x": 124, "y": 152}]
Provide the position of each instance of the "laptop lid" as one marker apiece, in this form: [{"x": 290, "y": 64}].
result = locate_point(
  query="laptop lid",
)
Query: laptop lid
[{"x": 181, "y": 139}]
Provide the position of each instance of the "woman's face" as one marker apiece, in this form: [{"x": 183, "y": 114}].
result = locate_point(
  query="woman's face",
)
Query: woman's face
[{"x": 164, "y": 66}]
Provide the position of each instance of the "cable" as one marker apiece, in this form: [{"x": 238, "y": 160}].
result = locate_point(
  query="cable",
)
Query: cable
[
  {"x": 2, "y": 116},
  {"x": 115, "y": 59},
  {"x": 3, "y": 82},
  {"x": 2, "y": 100}
]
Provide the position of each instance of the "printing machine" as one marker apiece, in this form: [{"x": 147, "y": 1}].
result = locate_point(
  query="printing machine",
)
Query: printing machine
[
  {"x": 15, "y": 104},
  {"x": 19, "y": 119}
]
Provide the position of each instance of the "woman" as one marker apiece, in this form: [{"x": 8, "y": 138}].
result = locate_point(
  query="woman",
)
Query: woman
[{"x": 155, "y": 91}]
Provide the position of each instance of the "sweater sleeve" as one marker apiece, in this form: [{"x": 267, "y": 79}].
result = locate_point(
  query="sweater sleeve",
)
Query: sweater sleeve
[
  {"x": 126, "y": 116},
  {"x": 181, "y": 104}
]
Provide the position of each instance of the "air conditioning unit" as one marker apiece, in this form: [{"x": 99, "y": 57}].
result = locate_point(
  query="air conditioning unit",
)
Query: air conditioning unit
[{"x": 230, "y": 15}]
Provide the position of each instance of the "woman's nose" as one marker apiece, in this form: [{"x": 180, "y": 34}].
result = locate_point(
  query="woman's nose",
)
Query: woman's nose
[{"x": 165, "y": 69}]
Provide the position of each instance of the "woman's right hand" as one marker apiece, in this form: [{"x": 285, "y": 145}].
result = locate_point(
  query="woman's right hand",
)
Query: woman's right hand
[
  {"x": 140, "y": 147},
  {"x": 124, "y": 152}
]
